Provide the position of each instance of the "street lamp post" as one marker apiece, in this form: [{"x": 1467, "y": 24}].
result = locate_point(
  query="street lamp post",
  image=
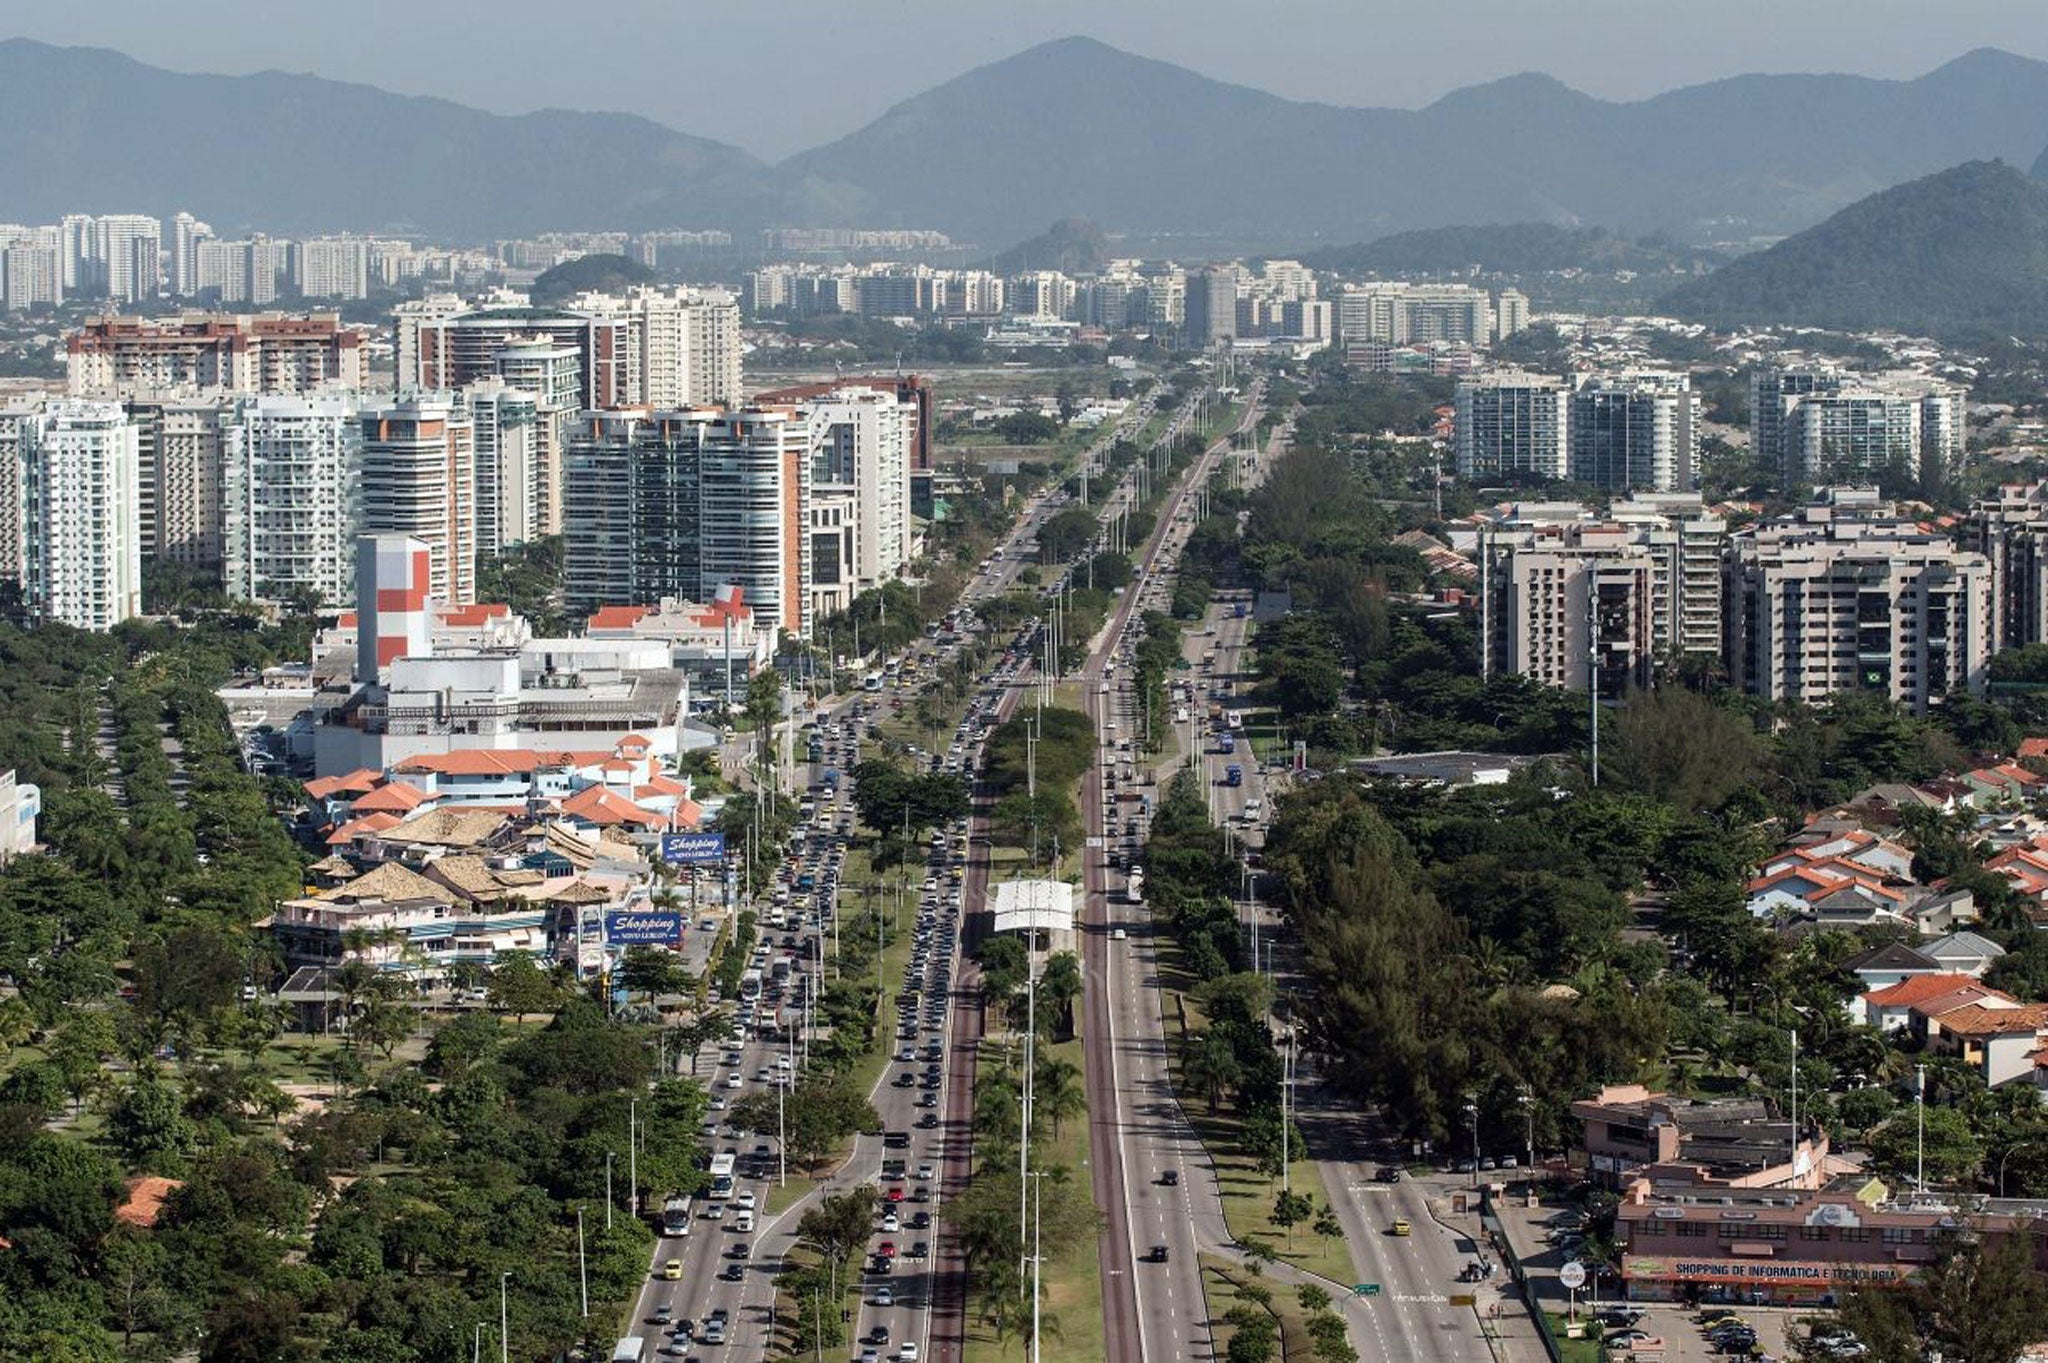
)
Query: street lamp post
[
  {"x": 1528, "y": 1101},
  {"x": 2020, "y": 1145},
  {"x": 504, "y": 1339},
  {"x": 1472, "y": 1111},
  {"x": 1919, "y": 1128}
]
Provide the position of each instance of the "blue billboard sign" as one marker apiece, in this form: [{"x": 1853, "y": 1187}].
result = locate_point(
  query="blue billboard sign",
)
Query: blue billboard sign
[
  {"x": 643, "y": 929},
  {"x": 692, "y": 849}
]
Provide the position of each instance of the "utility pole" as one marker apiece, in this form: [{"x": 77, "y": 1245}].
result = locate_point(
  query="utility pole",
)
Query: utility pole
[
  {"x": 1920, "y": 1128},
  {"x": 608, "y": 1191},
  {"x": 633, "y": 1153},
  {"x": 504, "y": 1339},
  {"x": 582, "y": 1267},
  {"x": 1795, "y": 1106}
]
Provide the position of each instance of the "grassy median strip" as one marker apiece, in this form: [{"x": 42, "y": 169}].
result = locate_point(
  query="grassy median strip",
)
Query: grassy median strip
[{"x": 1234, "y": 1295}]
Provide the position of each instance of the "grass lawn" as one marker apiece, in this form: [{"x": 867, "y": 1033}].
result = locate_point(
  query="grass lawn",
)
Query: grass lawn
[
  {"x": 1221, "y": 1284},
  {"x": 1582, "y": 1350},
  {"x": 1248, "y": 1193},
  {"x": 1072, "y": 1282}
]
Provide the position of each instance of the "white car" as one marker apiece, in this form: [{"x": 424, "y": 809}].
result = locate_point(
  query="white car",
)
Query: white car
[
  {"x": 744, "y": 1199},
  {"x": 890, "y": 1224},
  {"x": 733, "y": 1080}
]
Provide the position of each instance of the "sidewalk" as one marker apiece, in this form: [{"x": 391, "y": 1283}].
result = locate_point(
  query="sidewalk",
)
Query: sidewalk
[{"x": 1511, "y": 1331}]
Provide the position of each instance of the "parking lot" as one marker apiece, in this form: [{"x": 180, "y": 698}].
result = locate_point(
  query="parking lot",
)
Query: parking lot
[{"x": 1680, "y": 1327}]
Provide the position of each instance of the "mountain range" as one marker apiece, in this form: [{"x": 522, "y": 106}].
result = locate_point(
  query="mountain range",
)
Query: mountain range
[
  {"x": 1067, "y": 128},
  {"x": 1961, "y": 252}
]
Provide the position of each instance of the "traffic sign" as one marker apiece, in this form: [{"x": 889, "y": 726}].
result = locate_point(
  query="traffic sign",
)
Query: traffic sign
[
  {"x": 1365, "y": 1289},
  {"x": 1573, "y": 1275}
]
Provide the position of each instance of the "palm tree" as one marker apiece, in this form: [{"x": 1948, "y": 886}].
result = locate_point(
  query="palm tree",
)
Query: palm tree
[
  {"x": 1211, "y": 1067},
  {"x": 1061, "y": 981},
  {"x": 1056, "y": 1092}
]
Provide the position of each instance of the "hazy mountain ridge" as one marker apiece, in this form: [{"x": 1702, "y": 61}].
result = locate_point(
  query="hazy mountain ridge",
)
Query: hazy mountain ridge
[
  {"x": 1963, "y": 251},
  {"x": 1072, "y": 128},
  {"x": 1518, "y": 248}
]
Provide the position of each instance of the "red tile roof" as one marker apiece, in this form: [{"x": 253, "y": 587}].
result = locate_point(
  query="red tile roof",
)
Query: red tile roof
[
  {"x": 397, "y": 797},
  {"x": 473, "y": 616},
  {"x": 496, "y": 761},
  {"x": 354, "y": 828},
  {"x": 1974, "y": 1019},
  {"x": 596, "y": 805},
  {"x": 362, "y": 780},
  {"x": 145, "y": 1201},
  {"x": 616, "y": 617},
  {"x": 1918, "y": 989}
]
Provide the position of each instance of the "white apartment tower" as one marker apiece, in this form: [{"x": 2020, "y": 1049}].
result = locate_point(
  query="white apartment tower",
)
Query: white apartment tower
[
  {"x": 419, "y": 479},
  {"x": 291, "y": 494},
  {"x": 126, "y": 256},
  {"x": 1513, "y": 425},
  {"x": 81, "y": 537},
  {"x": 1635, "y": 431},
  {"x": 1819, "y": 425},
  {"x": 863, "y": 439},
  {"x": 332, "y": 267},
  {"x": 509, "y": 481},
  {"x": 754, "y": 486},
  {"x": 187, "y": 232}
]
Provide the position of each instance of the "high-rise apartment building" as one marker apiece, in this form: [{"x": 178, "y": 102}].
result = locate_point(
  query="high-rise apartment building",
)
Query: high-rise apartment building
[
  {"x": 862, "y": 438},
  {"x": 1818, "y": 425},
  {"x": 682, "y": 345},
  {"x": 179, "y": 463},
  {"x": 1404, "y": 314},
  {"x": 80, "y": 555},
  {"x": 1636, "y": 430},
  {"x": 126, "y": 257},
  {"x": 452, "y": 352},
  {"x": 1514, "y": 425},
  {"x": 2010, "y": 529},
  {"x": 754, "y": 490},
  {"x": 1510, "y": 313},
  {"x": 332, "y": 267},
  {"x": 1566, "y": 598},
  {"x": 239, "y": 271},
  {"x": 419, "y": 479},
  {"x": 120, "y": 357},
  {"x": 31, "y": 275},
  {"x": 678, "y": 504},
  {"x": 291, "y": 497},
  {"x": 1211, "y": 305},
  {"x": 182, "y": 260},
  {"x": 1166, "y": 300},
  {"x": 509, "y": 479},
  {"x": 1848, "y": 597}
]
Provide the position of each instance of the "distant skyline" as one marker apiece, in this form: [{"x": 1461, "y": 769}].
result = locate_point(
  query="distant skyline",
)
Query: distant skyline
[{"x": 780, "y": 76}]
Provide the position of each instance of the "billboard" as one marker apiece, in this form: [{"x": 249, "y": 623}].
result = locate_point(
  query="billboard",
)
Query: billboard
[
  {"x": 643, "y": 929},
  {"x": 692, "y": 849}
]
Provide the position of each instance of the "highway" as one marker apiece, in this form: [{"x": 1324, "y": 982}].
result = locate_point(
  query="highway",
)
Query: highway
[
  {"x": 1151, "y": 1310},
  {"x": 727, "y": 1273},
  {"x": 1411, "y": 1317}
]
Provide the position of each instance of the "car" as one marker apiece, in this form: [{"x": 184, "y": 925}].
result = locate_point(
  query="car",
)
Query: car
[
  {"x": 1618, "y": 1317},
  {"x": 740, "y": 1250},
  {"x": 1158, "y": 1255},
  {"x": 1387, "y": 1173},
  {"x": 920, "y": 1249},
  {"x": 879, "y": 1335},
  {"x": 890, "y": 1224},
  {"x": 714, "y": 1211},
  {"x": 887, "y": 1249},
  {"x": 663, "y": 1314},
  {"x": 1632, "y": 1339},
  {"x": 733, "y": 1080},
  {"x": 921, "y": 1221},
  {"x": 733, "y": 1272},
  {"x": 1170, "y": 1178},
  {"x": 895, "y": 1194},
  {"x": 885, "y": 1295},
  {"x": 1400, "y": 1227},
  {"x": 744, "y": 1199},
  {"x": 927, "y": 1121},
  {"x": 906, "y": 1352},
  {"x": 672, "y": 1271},
  {"x": 924, "y": 1173}
]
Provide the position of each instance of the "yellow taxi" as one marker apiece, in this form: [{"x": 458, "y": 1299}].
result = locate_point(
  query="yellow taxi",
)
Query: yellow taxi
[
  {"x": 1400, "y": 1226},
  {"x": 673, "y": 1270}
]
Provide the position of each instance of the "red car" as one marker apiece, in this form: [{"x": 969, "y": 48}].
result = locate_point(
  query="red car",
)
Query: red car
[
  {"x": 896, "y": 1194},
  {"x": 888, "y": 1249}
]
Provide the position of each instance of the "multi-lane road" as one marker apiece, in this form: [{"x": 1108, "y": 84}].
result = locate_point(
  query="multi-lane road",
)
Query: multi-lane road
[{"x": 724, "y": 1261}]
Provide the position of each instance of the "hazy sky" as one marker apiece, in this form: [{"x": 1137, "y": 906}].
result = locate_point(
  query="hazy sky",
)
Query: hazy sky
[{"x": 776, "y": 76}]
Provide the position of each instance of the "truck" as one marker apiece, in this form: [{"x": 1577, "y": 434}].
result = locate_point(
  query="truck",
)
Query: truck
[
  {"x": 1226, "y": 743},
  {"x": 1239, "y": 611},
  {"x": 631, "y": 1349},
  {"x": 750, "y": 981},
  {"x": 722, "y": 1167},
  {"x": 1233, "y": 775}
]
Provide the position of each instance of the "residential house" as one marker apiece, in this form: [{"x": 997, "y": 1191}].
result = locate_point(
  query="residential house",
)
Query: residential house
[
  {"x": 1892, "y": 1007},
  {"x": 1890, "y": 964},
  {"x": 2005, "y": 783},
  {"x": 2000, "y": 1043},
  {"x": 1964, "y": 953}
]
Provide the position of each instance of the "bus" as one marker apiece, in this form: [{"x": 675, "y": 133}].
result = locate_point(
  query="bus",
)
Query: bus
[
  {"x": 675, "y": 1216},
  {"x": 631, "y": 1349},
  {"x": 722, "y": 1167},
  {"x": 873, "y": 682}
]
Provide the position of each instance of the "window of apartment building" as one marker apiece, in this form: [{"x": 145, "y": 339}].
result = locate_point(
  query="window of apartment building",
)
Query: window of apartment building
[
  {"x": 1691, "y": 1228},
  {"x": 1901, "y": 1235},
  {"x": 1813, "y": 1233}
]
